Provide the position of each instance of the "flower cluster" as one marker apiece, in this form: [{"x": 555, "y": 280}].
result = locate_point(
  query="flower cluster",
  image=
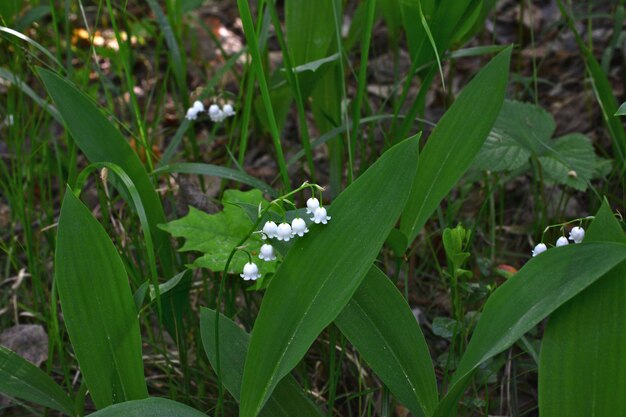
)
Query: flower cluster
[
  {"x": 576, "y": 235},
  {"x": 215, "y": 113},
  {"x": 218, "y": 115},
  {"x": 285, "y": 232}
]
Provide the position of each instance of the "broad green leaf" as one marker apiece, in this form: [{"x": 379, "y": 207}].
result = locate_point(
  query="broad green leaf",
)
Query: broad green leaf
[
  {"x": 100, "y": 141},
  {"x": 215, "y": 235},
  {"x": 381, "y": 326},
  {"x": 455, "y": 141},
  {"x": 501, "y": 153},
  {"x": 323, "y": 270},
  {"x": 152, "y": 407},
  {"x": 582, "y": 371},
  {"x": 571, "y": 161},
  {"x": 98, "y": 307},
  {"x": 523, "y": 130},
  {"x": 309, "y": 29},
  {"x": 544, "y": 284},
  {"x": 21, "y": 379},
  {"x": 287, "y": 400}
]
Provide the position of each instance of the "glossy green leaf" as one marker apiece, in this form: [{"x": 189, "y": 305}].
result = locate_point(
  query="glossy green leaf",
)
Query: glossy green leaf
[
  {"x": 98, "y": 307},
  {"x": 455, "y": 142},
  {"x": 582, "y": 371},
  {"x": 544, "y": 284},
  {"x": 100, "y": 141},
  {"x": 21, "y": 379},
  {"x": 323, "y": 270},
  {"x": 381, "y": 326},
  {"x": 152, "y": 407},
  {"x": 287, "y": 400},
  {"x": 215, "y": 235}
]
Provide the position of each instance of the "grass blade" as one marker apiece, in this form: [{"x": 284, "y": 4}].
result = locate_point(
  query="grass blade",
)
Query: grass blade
[
  {"x": 581, "y": 369},
  {"x": 323, "y": 270},
  {"x": 540, "y": 287},
  {"x": 217, "y": 171},
  {"x": 21, "y": 379},
  {"x": 100, "y": 141},
  {"x": 455, "y": 141},
  {"x": 257, "y": 64},
  {"x": 380, "y": 324},
  {"x": 153, "y": 407},
  {"x": 288, "y": 399},
  {"x": 603, "y": 90},
  {"x": 98, "y": 307}
]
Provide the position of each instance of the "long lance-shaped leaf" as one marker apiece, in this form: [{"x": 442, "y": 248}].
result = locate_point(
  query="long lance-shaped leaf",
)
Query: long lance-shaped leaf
[
  {"x": 100, "y": 141},
  {"x": 582, "y": 371},
  {"x": 217, "y": 171},
  {"x": 98, "y": 307},
  {"x": 287, "y": 400},
  {"x": 153, "y": 407},
  {"x": 455, "y": 141},
  {"x": 539, "y": 288},
  {"x": 379, "y": 323},
  {"x": 603, "y": 90},
  {"x": 322, "y": 271},
  {"x": 23, "y": 380}
]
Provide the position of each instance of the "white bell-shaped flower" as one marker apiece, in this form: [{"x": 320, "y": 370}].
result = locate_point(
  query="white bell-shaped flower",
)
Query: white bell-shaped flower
[
  {"x": 270, "y": 230},
  {"x": 215, "y": 113},
  {"x": 311, "y": 205},
  {"x": 267, "y": 253},
  {"x": 250, "y": 272},
  {"x": 192, "y": 113},
  {"x": 562, "y": 241},
  {"x": 284, "y": 232},
  {"x": 298, "y": 227},
  {"x": 577, "y": 234},
  {"x": 540, "y": 248},
  {"x": 228, "y": 110},
  {"x": 198, "y": 106},
  {"x": 320, "y": 216}
]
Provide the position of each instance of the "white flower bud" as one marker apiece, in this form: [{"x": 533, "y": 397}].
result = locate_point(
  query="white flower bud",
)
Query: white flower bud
[
  {"x": 298, "y": 227},
  {"x": 284, "y": 232},
  {"x": 562, "y": 241},
  {"x": 320, "y": 216},
  {"x": 577, "y": 234},
  {"x": 540, "y": 248}
]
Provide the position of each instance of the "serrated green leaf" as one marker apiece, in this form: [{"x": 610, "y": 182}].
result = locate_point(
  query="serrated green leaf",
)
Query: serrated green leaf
[
  {"x": 287, "y": 400},
  {"x": 323, "y": 270},
  {"x": 582, "y": 371},
  {"x": 570, "y": 161},
  {"x": 381, "y": 326},
  {"x": 98, "y": 307},
  {"x": 215, "y": 235},
  {"x": 23, "y": 380},
  {"x": 153, "y": 407},
  {"x": 544, "y": 284},
  {"x": 500, "y": 152}
]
